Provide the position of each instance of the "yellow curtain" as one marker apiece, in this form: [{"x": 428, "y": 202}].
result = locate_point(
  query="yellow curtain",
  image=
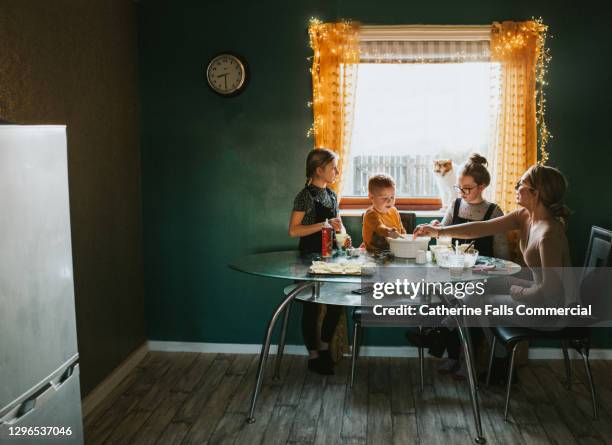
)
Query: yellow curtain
[
  {"x": 334, "y": 70},
  {"x": 518, "y": 47}
]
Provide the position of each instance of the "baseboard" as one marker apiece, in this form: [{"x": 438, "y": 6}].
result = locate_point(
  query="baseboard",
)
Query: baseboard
[
  {"x": 367, "y": 351},
  {"x": 557, "y": 354},
  {"x": 98, "y": 394}
]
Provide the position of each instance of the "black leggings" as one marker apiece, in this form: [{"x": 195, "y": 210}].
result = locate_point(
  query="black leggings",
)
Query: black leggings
[{"x": 309, "y": 323}]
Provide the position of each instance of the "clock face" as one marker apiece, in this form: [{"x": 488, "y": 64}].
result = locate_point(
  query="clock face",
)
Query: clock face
[{"x": 226, "y": 74}]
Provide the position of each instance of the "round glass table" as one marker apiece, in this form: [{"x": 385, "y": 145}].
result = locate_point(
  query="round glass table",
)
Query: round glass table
[{"x": 292, "y": 265}]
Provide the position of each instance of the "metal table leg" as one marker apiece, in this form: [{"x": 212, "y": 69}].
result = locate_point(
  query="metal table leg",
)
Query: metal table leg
[
  {"x": 281, "y": 343},
  {"x": 469, "y": 362},
  {"x": 316, "y": 291},
  {"x": 472, "y": 381},
  {"x": 468, "y": 338},
  {"x": 265, "y": 347}
]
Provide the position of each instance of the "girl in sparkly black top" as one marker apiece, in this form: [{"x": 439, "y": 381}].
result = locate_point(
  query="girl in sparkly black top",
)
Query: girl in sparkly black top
[{"x": 312, "y": 206}]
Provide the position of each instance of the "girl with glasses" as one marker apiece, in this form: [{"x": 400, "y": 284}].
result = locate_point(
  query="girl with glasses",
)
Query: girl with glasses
[{"x": 469, "y": 206}]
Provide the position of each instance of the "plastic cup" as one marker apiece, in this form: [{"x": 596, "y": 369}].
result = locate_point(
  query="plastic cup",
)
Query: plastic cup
[
  {"x": 471, "y": 258},
  {"x": 441, "y": 257},
  {"x": 340, "y": 239},
  {"x": 456, "y": 263},
  {"x": 421, "y": 257}
]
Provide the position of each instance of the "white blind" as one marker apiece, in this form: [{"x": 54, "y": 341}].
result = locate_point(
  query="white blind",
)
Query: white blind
[{"x": 411, "y": 51}]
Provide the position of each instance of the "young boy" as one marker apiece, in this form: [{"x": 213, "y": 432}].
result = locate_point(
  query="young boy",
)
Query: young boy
[{"x": 382, "y": 219}]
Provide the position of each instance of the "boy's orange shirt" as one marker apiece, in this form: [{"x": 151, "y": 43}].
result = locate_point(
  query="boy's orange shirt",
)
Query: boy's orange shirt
[{"x": 374, "y": 225}]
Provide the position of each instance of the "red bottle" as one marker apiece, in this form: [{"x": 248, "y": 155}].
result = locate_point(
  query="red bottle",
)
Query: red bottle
[{"x": 327, "y": 238}]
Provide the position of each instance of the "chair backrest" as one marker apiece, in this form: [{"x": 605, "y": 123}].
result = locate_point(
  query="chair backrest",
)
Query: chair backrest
[
  {"x": 599, "y": 248},
  {"x": 408, "y": 221},
  {"x": 596, "y": 282}
]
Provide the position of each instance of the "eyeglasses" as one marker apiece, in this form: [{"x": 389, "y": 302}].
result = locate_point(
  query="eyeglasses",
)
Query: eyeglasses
[
  {"x": 464, "y": 190},
  {"x": 520, "y": 184}
]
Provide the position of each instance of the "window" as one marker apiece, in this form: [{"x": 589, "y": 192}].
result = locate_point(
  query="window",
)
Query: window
[
  {"x": 421, "y": 93},
  {"x": 407, "y": 115}
]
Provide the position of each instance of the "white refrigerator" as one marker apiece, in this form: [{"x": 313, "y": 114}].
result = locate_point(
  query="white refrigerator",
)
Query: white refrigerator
[{"x": 39, "y": 371}]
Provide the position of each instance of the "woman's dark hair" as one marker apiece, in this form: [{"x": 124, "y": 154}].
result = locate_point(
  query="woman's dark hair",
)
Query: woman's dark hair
[
  {"x": 476, "y": 167},
  {"x": 318, "y": 157},
  {"x": 551, "y": 185}
]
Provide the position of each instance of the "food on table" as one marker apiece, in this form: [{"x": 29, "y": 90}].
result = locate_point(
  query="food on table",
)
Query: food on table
[{"x": 341, "y": 268}]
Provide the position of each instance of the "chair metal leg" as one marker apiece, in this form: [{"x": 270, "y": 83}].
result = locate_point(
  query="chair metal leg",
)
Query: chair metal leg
[
  {"x": 568, "y": 366},
  {"x": 281, "y": 343},
  {"x": 355, "y": 351},
  {"x": 509, "y": 384},
  {"x": 421, "y": 365},
  {"x": 422, "y": 369},
  {"x": 491, "y": 356},
  {"x": 587, "y": 369},
  {"x": 265, "y": 347}
]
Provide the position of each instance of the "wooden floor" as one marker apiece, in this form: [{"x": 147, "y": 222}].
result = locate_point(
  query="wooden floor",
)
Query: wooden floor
[{"x": 189, "y": 398}]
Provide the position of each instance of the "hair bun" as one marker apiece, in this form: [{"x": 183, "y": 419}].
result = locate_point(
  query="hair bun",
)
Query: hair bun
[
  {"x": 475, "y": 158},
  {"x": 559, "y": 210}
]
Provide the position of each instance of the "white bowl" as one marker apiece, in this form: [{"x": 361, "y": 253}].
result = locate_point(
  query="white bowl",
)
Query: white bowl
[{"x": 407, "y": 247}]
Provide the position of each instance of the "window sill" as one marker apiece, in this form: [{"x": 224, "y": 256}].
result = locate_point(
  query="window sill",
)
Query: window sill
[{"x": 419, "y": 213}]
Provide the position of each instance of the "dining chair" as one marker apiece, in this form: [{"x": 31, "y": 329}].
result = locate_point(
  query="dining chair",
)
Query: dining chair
[
  {"x": 599, "y": 254},
  {"x": 409, "y": 222},
  {"x": 358, "y": 314}
]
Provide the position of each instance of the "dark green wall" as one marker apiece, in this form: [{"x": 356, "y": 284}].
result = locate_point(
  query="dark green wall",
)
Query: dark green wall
[{"x": 220, "y": 175}]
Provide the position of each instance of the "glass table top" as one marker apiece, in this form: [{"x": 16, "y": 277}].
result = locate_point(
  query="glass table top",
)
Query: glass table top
[
  {"x": 291, "y": 265},
  {"x": 341, "y": 294}
]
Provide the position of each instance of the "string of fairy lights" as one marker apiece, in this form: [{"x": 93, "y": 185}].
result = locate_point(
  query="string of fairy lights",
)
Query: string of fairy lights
[
  {"x": 345, "y": 49},
  {"x": 542, "y": 64},
  {"x": 315, "y": 31},
  {"x": 318, "y": 32}
]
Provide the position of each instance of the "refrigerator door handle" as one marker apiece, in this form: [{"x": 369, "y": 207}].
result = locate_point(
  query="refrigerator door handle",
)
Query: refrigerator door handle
[{"x": 38, "y": 398}]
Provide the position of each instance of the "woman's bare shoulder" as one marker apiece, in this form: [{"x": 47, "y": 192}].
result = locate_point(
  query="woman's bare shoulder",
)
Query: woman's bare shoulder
[
  {"x": 521, "y": 213},
  {"x": 553, "y": 228},
  {"x": 520, "y": 217}
]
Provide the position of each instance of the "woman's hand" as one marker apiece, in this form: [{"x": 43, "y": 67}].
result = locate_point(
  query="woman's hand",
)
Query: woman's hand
[
  {"x": 336, "y": 224},
  {"x": 434, "y": 222},
  {"x": 426, "y": 230}
]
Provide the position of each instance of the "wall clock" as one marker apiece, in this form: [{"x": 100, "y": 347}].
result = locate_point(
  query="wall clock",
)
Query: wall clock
[{"x": 227, "y": 74}]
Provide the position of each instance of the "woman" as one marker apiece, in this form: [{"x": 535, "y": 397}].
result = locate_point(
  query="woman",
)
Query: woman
[
  {"x": 313, "y": 205},
  {"x": 543, "y": 244}
]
